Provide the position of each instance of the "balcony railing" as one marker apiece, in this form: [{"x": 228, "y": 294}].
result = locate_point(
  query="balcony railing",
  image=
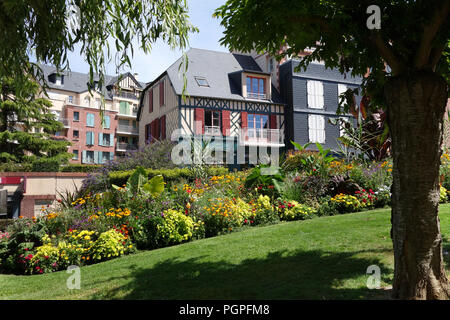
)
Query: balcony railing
[
  {"x": 212, "y": 131},
  {"x": 127, "y": 129},
  {"x": 250, "y": 136},
  {"x": 127, "y": 95},
  {"x": 127, "y": 113},
  {"x": 257, "y": 96},
  {"x": 123, "y": 146},
  {"x": 65, "y": 122}
]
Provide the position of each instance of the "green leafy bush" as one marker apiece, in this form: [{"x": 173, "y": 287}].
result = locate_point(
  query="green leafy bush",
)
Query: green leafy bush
[
  {"x": 46, "y": 165},
  {"x": 292, "y": 210},
  {"x": 176, "y": 227}
]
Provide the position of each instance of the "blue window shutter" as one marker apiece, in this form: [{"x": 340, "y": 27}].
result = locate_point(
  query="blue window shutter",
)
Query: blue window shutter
[
  {"x": 90, "y": 120},
  {"x": 111, "y": 140},
  {"x": 107, "y": 122},
  {"x": 111, "y": 156},
  {"x": 95, "y": 156},
  {"x": 88, "y": 138},
  {"x": 83, "y": 157},
  {"x": 100, "y": 139}
]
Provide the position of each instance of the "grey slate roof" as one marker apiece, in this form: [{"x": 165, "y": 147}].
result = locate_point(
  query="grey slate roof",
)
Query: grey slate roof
[
  {"x": 78, "y": 82},
  {"x": 219, "y": 69},
  {"x": 319, "y": 72}
]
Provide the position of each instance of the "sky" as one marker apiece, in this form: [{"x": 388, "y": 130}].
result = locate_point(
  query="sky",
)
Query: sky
[{"x": 150, "y": 66}]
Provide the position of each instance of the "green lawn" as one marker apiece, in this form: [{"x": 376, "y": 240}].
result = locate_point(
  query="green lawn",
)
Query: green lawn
[{"x": 323, "y": 258}]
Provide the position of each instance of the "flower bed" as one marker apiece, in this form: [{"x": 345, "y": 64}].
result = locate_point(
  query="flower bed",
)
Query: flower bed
[{"x": 148, "y": 211}]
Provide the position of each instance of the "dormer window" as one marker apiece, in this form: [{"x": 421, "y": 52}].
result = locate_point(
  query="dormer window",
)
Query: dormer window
[
  {"x": 256, "y": 88},
  {"x": 58, "y": 80}
]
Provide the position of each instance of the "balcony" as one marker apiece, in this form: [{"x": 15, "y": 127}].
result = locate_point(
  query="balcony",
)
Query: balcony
[
  {"x": 124, "y": 147},
  {"x": 127, "y": 130},
  {"x": 258, "y": 137},
  {"x": 256, "y": 96},
  {"x": 128, "y": 114},
  {"x": 212, "y": 131},
  {"x": 127, "y": 95},
  {"x": 65, "y": 122}
]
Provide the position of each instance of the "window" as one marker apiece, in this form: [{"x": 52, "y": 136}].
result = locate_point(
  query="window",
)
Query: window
[
  {"x": 58, "y": 80},
  {"x": 315, "y": 94},
  {"x": 256, "y": 88},
  {"x": 76, "y": 116},
  {"x": 87, "y": 102},
  {"x": 76, "y": 134},
  {"x": 202, "y": 82},
  {"x": 256, "y": 125},
  {"x": 270, "y": 68},
  {"x": 70, "y": 99},
  {"x": 124, "y": 107},
  {"x": 106, "y": 156},
  {"x": 98, "y": 103},
  {"x": 90, "y": 119},
  {"x": 341, "y": 89},
  {"x": 75, "y": 155},
  {"x": 161, "y": 94},
  {"x": 90, "y": 156},
  {"x": 316, "y": 128},
  {"x": 106, "y": 140},
  {"x": 106, "y": 122},
  {"x": 90, "y": 138},
  {"x": 212, "y": 122},
  {"x": 342, "y": 122}
]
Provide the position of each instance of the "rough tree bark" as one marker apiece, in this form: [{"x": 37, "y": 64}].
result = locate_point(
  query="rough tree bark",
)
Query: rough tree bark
[{"x": 416, "y": 106}]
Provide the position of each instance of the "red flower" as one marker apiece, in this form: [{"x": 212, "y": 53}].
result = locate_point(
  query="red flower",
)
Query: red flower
[
  {"x": 314, "y": 170},
  {"x": 46, "y": 257},
  {"x": 270, "y": 187}
]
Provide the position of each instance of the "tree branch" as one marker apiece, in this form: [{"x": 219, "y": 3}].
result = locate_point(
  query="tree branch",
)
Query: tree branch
[
  {"x": 429, "y": 33},
  {"x": 385, "y": 50}
]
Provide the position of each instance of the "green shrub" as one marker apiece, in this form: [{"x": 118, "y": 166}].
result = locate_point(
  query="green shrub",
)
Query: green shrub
[
  {"x": 442, "y": 195},
  {"x": 4, "y": 223},
  {"x": 16, "y": 167},
  {"x": 74, "y": 167},
  {"x": 345, "y": 203},
  {"x": 262, "y": 212},
  {"x": 176, "y": 227},
  {"x": 108, "y": 245},
  {"x": 170, "y": 175},
  {"x": 46, "y": 165}
]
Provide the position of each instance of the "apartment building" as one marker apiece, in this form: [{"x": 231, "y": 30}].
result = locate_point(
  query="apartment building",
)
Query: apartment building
[{"x": 101, "y": 124}]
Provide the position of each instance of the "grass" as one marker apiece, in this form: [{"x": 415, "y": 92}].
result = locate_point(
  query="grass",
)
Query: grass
[{"x": 324, "y": 258}]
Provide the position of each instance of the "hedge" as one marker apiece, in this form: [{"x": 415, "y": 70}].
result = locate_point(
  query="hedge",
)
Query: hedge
[
  {"x": 119, "y": 178},
  {"x": 80, "y": 168}
]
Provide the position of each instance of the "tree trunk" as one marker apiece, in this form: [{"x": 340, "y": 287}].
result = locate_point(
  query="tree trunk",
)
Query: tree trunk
[{"x": 416, "y": 106}]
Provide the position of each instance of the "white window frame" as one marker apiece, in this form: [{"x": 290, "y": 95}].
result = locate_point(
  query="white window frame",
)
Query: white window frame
[
  {"x": 341, "y": 126},
  {"x": 316, "y": 128},
  {"x": 341, "y": 89},
  {"x": 315, "y": 94}
]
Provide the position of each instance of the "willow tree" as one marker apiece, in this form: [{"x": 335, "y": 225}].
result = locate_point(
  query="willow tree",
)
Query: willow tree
[
  {"x": 405, "y": 45},
  {"x": 49, "y": 29}
]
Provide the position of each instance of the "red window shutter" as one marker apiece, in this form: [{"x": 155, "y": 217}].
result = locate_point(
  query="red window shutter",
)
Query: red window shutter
[
  {"x": 199, "y": 117},
  {"x": 163, "y": 127},
  {"x": 161, "y": 93},
  {"x": 273, "y": 121},
  {"x": 225, "y": 122},
  {"x": 244, "y": 124},
  {"x": 150, "y": 101}
]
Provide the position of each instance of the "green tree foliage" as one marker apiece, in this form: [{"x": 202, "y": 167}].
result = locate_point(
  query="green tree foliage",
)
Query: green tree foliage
[
  {"x": 405, "y": 64},
  {"x": 49, "y": 29},
  {"x": 27, "y": 126}
]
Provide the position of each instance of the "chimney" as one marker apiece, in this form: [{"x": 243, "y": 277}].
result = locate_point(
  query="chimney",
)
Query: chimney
[{"x": 136, "y": 75}]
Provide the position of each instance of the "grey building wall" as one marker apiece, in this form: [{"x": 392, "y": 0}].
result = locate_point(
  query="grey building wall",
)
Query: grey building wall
[{"x": 293, "y": 86}]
